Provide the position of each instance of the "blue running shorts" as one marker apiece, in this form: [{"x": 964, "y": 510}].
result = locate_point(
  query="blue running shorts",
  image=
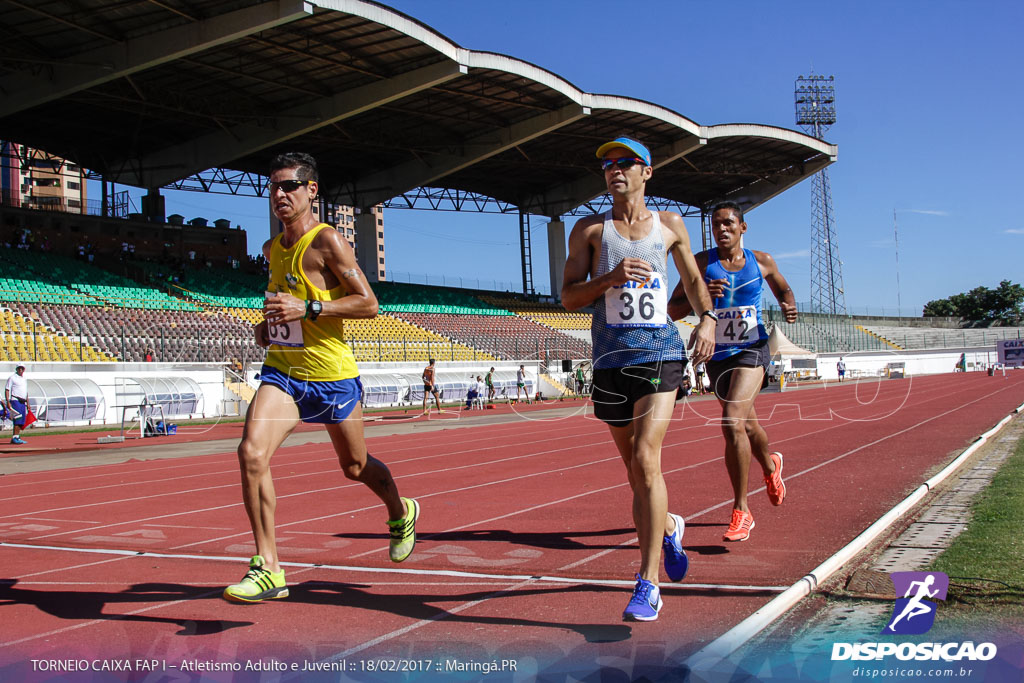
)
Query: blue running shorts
[
  {"x": 20, "y": 412},
  {"x": 318, "y": 402}
]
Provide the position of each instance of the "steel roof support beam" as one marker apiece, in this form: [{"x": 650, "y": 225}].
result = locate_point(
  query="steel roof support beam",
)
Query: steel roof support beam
[
  {"x": 92, "y": 68},
  {"x": 760, "y": 191},
  {"x": 564, "y": 198},
  {"x": 222, "y": 147},
  {"x": 418, "y": 173}
]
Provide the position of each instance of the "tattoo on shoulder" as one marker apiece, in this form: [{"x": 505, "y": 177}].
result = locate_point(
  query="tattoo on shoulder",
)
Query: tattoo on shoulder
[{"x": 351, "y": 272}]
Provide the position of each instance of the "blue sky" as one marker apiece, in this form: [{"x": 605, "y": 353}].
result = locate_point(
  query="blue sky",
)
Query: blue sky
[{"x": 928, "y": 103}]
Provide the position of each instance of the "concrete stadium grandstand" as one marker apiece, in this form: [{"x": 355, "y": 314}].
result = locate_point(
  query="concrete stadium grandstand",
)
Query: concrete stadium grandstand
[{"x": 111, "y": 308}]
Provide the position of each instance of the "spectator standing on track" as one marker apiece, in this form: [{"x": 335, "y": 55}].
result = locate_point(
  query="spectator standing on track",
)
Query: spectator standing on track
[
  {"x": 310, "y": 373},
  {"x": 737, "y": 370},
  {"x": 841, "y": 368},
  {"x": 521, "y": 384},
  {"x": 618, "y": 263},
  {"x": 701, "y": 371},
  {"x": 430, "y": 387},
  {"x": 479, "y": 388},
  {"x": 16, "y": 402},
  {"x": 581, "y": 382},
  {"x": 489, "y": 381}
]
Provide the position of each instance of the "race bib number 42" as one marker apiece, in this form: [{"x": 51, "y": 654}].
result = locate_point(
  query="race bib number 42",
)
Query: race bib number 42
[
  {"x": 637, "y": 304},
  {"x": 289, "y": 334},
  {"x": 737, "y": 326}
]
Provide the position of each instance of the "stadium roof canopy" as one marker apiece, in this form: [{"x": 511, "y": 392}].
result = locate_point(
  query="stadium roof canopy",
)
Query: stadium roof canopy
[{"x": 148, "y": 93}]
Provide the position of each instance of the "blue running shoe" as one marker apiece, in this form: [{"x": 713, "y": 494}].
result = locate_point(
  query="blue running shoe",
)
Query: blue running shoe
[
  {"x": 645, "y": 603},
  {"x": 676, "y": 561},
  {"x": 18, "y": 440}
]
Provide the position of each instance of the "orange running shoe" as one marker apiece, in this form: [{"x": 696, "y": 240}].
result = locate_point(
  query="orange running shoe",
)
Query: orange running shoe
[
  {"x": 776, "y": 487},
  {"x": 740, "y": 526}
]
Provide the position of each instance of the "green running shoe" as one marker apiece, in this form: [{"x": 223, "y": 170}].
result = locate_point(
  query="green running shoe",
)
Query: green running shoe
[
  {"x": 258, "y": 584},
  {"x": 403, "y": 531}
]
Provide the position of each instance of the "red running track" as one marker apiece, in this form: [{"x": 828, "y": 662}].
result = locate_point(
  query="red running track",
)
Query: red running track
[{"x": 525, "y": 549}]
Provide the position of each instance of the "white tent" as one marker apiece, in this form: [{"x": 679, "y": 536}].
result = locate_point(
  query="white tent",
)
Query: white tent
[
  {"x": 788, "y": 357},
  {"x": 781, "y": 347}
]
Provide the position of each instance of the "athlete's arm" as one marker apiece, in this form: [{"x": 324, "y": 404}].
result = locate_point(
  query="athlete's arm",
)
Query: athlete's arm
[
  {"x": 577, "y": 290},
  {"x": 337, "y": 258},
  {"x": 678, "y": 305},
  {"x": 360, "y": 301},
  {"x": 702, "y": 341},
  {"x": 780, "y": 288},
  {"x": 260, "y": 329}
]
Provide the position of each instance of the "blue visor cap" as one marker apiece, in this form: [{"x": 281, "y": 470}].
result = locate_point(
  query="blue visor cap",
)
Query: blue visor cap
[{"x": 626, "y": 143}]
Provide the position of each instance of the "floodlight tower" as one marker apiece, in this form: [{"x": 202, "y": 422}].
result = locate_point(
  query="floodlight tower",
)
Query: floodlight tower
[{"x": 815, "y": 112}]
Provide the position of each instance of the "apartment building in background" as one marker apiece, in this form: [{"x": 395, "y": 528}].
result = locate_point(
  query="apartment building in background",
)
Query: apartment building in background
[
  {"x": 364, "y": 231},
  {"x": 34, "y": 179}
]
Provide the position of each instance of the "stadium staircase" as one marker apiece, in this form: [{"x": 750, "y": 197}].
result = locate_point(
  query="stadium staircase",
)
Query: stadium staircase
[{"x": 867, "y": 331}]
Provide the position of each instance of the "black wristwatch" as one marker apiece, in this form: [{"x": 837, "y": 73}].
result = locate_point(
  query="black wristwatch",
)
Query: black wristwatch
[
  {"x": 313, "y": 309},
  {"x": 711, "y": 314}
]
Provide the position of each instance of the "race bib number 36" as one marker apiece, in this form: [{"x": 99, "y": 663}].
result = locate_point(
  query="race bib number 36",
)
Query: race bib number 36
[
  {"x": 737, "y": 326},
  {"x": 289, "y": 334},
  {"x": 637, "y": 304}
]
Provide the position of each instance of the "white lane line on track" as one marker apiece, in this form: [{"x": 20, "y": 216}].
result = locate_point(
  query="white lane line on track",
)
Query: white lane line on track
[
  {"x": 418, "y": 571},
  {"x": 562, "y": 500},
  {"x": 631, "y": 541},
  {"x": 74, "y": 521},
  {"x": 727, "y": 643},
  {"x": 113, "y": 617},
  {"x": 561, "y": 433},
  {"x": 64, "y": 569},
  {"x": 233, "y": 471},
  {"x": 202, "y": 460},
  {"x": 725, "y": 503},
  {"x": 394, "y": 633},
  {"x": 605, "y": 442},
  {"x": 402, "y": 631}
]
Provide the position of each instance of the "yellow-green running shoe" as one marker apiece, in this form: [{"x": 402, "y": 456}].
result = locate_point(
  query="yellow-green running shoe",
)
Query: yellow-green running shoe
[
  {"x": 258, "y": 584},
  {"x": 403, "y": 531}
]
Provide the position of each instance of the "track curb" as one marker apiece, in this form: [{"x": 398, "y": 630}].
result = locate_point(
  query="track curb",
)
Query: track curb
[{"x": 701, "y": 664}]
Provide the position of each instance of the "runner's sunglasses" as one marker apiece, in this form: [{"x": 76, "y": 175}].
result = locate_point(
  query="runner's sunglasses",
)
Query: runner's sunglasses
[
  {"x": 622, "y": 162},
  {"x": 288, "y": 186}
]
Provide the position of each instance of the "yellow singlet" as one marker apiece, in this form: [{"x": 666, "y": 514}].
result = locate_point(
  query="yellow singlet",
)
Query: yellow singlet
[{"x": 324, "y": 356}]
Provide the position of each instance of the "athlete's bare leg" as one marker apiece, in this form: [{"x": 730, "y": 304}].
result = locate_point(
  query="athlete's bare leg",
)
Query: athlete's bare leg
[
  {"x": 271, "y": 418},
  {"x": 744, "y": 436},
  {"x": 358, "y": 465},
  {"x": 639, "y": 445},
  {"x": 623, "y": 438}
]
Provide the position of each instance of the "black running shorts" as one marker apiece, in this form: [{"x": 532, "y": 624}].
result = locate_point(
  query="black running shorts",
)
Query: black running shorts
[
  {"x": 758, "y": 355},
  {"x": 616, "y": 390}
]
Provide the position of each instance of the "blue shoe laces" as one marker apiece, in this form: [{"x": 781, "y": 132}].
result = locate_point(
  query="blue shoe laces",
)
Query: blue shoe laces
[{"x": 642, "y": 592}]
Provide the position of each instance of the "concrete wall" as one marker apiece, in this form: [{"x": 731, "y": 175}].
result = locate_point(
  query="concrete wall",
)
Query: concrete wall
[{"x": 918, "y": 362}]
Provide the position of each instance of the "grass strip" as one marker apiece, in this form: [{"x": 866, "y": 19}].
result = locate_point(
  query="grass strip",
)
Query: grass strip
[{"x": 985, "y": 563}]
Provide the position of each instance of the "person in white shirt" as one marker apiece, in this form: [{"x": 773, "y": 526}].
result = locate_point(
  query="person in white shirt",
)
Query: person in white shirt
[
  {"x": 521, "y": 384},
  {"x": 480, "y": 389},
  {"x": 16, "y": 401}
]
